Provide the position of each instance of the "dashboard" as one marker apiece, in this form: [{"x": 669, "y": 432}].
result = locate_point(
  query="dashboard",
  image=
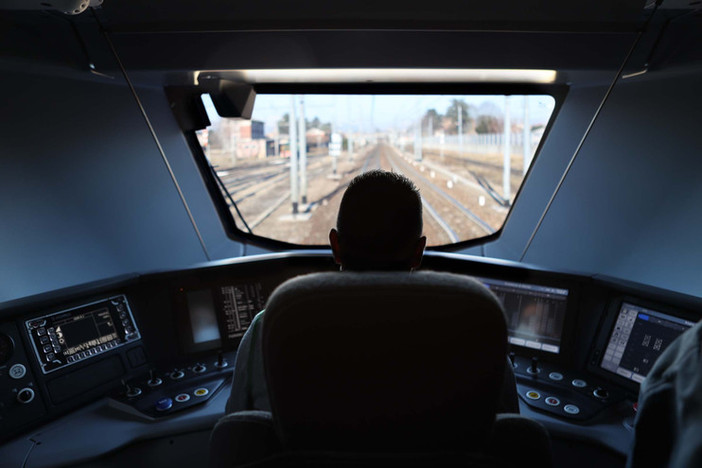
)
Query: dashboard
[{"x": 143, "y": 356}]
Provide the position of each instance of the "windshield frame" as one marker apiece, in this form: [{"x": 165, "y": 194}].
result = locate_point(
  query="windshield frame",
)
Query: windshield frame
[{"x": 557, "y": 91}]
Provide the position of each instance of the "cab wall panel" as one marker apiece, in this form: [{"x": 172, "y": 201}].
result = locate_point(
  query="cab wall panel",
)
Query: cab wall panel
[
  {"x": 630, "y": 206},
  {"x": 84, "y": 193}
]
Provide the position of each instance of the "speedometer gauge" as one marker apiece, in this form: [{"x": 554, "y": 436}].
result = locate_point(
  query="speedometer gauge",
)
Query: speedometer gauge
[{"x": 6, "y": 348}]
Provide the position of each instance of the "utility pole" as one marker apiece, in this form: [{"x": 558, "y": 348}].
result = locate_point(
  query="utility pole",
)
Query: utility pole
[
  {"x": 418, "y": 141},
  {"x": 303, "y": 151},
  {"x": 506, "y": 164},
  {"x": 292, "y": 127},
  {"x": 232, "y": 140},
  {"x": 460, "y": 128},
  {"x": 526, "y": 135}
]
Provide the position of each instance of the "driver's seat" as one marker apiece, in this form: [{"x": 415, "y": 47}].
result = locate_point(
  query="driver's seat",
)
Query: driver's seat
[{"x": 382, "y": 369}]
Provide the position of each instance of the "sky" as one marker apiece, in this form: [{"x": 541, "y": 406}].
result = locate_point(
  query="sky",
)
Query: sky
[{"x": 365, "y": 113}]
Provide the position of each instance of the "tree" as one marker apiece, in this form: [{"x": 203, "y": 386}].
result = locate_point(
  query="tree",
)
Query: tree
[
  {"x": 452, "y": 116},
  {"x": 284, "y": 124},
  {"x": 488, "y": 124},
  {"x": 431, "y": 120}
]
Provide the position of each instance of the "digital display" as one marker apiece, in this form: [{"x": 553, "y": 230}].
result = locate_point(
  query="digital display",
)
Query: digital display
[
  {"x": 73, "y": 335},
  {"x": 240, "y": 305},
  {"x": 203, "y": 317},
  {"x": 639, "y": 336},
  {"x": 535, "y": 313},
  {"x": 218, "y": 314}
]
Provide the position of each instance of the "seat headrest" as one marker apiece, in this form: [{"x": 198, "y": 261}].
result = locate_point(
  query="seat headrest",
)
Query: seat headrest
[{"x": 383, "y": 361}]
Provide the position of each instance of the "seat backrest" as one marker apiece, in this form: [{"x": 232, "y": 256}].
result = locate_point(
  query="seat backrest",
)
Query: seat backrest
[{"x": 383, "y": 361}]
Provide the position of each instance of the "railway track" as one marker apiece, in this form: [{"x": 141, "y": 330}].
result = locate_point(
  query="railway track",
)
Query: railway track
[{"x": 397, "y": 160}]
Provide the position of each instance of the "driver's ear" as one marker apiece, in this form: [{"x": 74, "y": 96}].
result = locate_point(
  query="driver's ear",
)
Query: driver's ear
[
  {"x": 418, "y": 252},
  {"x": 334, "y": 242}
]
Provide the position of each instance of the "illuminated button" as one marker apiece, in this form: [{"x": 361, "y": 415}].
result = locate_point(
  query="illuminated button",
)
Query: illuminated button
[
  {"x": 164, "y": 404},
  {"x": 532, "y": 395},
  {"x": 182, "y": 398},
  {"x": 552, "y": 401},
  {"x": 557, "y": 376},
  {"x": 17, "y": 371},
  {"x": 571, "y": 409},
  {"x": 201, "y": 391},
  {"x": 578, "y": 383}
]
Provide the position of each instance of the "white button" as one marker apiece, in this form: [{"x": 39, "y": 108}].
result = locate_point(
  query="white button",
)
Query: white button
[
  {"x": 579, "y": 383},
  {"x": 555, "y": 376},
  {"x": 571, "y": 409},
  {"x": 18, "y": 371}
]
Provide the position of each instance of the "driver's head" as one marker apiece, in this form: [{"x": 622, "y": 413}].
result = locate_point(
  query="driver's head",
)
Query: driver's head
[{"x": 379, "y": 226}]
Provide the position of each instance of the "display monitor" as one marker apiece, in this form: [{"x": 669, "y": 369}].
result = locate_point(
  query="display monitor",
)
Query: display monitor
[
  {"x": 535, "y": 313},
  {"x": 218, "y": 314},
  {"x": 639, "y": 336}
]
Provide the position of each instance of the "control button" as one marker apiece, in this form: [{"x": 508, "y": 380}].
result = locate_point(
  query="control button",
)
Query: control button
[
  {"x": 557, "y": 376},
  {"x": 57, "y": 348},
  {"x": 532, "y": 395},
  {"x": 552, "y": 401},
  {"x": 201, "y": 391},
  {"x": 177, "y": 374},
  {"x": 51, "y": 331},
  {"x": 579, "y": 383},
  {"x": 571, "y": 409},
  {"x": 70, "y": 359},
  {"x": 164, "y": 404},
  {"x": 199, "y": 368},
  {"x": 133, "y": 392},
  {"x": 50, "y": 357},
  {"x": 26, "y": 395},
  {"x": 41, "y": 331},
  {"x": 44, "y": 339},
  {"x": 18, "y": 371},
  {"x": 47, "y": 348},
  {"x": 600, "y": 392},
  {"x": 182, "y": 398}
]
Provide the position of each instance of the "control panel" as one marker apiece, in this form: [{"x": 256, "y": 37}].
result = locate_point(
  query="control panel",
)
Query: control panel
[
  {"x": 20, "y": 400},
  {"x": 562, "y": 392},
  {"x": 159, "y": 394},
  {"x": 73, "y": 335}
]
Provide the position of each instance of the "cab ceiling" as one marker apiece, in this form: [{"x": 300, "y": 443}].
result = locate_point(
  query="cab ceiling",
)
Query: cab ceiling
[{"x": 488, "y": 15}]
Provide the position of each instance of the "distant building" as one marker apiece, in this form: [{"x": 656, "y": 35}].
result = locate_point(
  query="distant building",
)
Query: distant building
[{"x": 232, "y": 140}]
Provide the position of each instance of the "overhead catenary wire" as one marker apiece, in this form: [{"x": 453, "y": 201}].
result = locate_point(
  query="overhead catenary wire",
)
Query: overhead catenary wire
[{"x": 153, "y": 133}]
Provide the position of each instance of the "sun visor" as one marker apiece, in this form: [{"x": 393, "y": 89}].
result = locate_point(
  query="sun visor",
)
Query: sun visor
[{"x": 231, "y": 99}]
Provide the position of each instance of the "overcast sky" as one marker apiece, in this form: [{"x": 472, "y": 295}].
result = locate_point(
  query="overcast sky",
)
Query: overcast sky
[{"x": 364, "y": 113}]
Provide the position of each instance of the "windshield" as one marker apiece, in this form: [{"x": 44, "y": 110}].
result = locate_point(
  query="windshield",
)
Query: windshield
[{"x": 286, "y": 169}]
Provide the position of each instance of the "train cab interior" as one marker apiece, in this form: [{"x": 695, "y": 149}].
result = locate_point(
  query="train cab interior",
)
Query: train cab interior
[{"x": 166, "y": 165}]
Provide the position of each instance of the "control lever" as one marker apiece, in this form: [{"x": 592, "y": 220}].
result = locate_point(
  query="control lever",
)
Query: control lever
[
  {"x": 129, "y": 391},
  {"x": 221, "y": 361},
  {"x": 534, "y": 367},
  {"x": 153, "y": 381}
]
